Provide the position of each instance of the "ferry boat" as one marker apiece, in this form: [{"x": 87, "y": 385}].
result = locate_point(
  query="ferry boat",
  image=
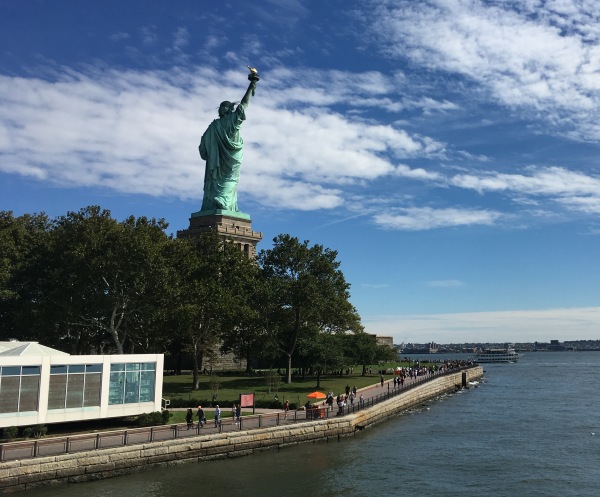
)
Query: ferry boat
[{"x": 507, "y": 354}]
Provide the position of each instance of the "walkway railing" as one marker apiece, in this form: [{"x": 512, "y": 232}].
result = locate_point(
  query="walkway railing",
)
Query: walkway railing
[{"x": 88, "y": 442}]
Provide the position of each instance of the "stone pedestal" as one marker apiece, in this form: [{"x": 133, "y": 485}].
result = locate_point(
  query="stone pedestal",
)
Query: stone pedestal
[{"x": 235, "y": 227}]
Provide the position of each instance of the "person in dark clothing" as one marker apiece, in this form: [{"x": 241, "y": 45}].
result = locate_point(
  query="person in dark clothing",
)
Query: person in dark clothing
[{"x": 201, "y": 418}]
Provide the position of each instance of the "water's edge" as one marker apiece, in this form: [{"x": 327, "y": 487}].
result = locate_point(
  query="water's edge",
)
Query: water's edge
[{"x": 109, "y": 463}]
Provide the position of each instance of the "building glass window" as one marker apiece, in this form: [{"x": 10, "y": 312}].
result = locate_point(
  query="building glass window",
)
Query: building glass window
[
  {"x": 19, "y": 388},
  {"x": 131, "y": 383},
  {"x": 75, "y": 386},
  {"x": 57, "y": 394},
  {"x": 91, "y": 391}
]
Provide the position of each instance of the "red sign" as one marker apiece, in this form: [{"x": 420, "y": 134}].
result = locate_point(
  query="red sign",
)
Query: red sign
[{"x": 246, "y": 400}]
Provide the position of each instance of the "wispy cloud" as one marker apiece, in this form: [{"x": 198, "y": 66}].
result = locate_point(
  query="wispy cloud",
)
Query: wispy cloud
[
  {"x": 503, "y": 326},
  {"x": 375, "y": 286},
  {"x": 542, "y": 57},
  {"x": 572, "y": 189},
  {"x": 444, "y": 283},
  {"x": 137, "y": 132},
  {"x": 426, "y": 218}
]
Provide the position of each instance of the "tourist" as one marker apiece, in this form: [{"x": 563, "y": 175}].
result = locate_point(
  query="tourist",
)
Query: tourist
[
  {"x": 217, "y": 416},
  {"x": 189, "y": 418},
  {"x": 286, "y": 408},
  {"x": 200, "y": 415},
  {"x": 382, "y": 381},
  {"x": 329, "y": 400}
]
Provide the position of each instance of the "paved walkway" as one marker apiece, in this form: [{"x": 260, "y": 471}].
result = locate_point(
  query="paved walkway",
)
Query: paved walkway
[
  {"x": 115, "y": 438},
  {"x": 368, "y": 392}
]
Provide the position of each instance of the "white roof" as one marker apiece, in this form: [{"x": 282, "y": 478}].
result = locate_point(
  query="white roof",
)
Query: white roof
[{"x": 19, "y": 349}]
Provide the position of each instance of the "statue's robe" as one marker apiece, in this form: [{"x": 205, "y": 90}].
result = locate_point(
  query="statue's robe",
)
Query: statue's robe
[{"x": 221, "y": 147}]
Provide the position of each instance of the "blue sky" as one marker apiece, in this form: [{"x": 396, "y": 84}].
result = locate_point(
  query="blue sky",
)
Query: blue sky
[{"x": 447, "y": 149}]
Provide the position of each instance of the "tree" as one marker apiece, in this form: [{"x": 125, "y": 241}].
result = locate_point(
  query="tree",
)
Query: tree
[
  {"x": 245, "y": 337},
  {"x": 104, "y": 281},
  {"x": 210, "y": 296},
  {"x": 23, "y": 248},
  {"x": 307, "y": 294},
  {"x": 325, "y": 351}
]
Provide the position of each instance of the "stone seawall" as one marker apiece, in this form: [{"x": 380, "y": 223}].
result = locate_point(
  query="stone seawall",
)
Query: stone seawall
[{"x": 108, "y": 463}]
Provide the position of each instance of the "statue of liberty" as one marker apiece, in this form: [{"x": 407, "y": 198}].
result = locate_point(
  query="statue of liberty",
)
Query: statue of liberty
[{"x": 221, "y": 147}]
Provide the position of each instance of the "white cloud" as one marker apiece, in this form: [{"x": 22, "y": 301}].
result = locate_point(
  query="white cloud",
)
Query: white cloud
[
  {"x": 426, "y": 218},
  {"x": 572, "y": 189},
  {"x": 138, "y": 132},
  {"x": 181, "y": 38},
  {"x": 539, "y": 56},
  {"x": 501, "y": 326},
  {"x": 444, "y": 283}
]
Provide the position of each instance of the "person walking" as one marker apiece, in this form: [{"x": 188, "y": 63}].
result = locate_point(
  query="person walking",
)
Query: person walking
[
  {"x": 217, "y": 416},
  {"x": 200, "y": 414},
  {"x": 189, "y": 418}
]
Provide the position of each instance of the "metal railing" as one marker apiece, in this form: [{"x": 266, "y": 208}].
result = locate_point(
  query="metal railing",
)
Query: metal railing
[{"x": 89, "y": 442}]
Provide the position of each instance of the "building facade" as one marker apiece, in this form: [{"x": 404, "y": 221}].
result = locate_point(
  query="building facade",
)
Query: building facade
[{"x": 40, "y": 385}]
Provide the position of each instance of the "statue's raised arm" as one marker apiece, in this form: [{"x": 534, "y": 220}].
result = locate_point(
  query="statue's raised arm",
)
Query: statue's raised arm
[{"x": 221, "y": 147}]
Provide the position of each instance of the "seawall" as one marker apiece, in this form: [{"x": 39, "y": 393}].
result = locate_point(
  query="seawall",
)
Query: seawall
[{"x": 108, "y": 463}]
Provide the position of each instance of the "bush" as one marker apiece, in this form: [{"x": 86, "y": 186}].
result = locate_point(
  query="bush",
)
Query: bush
[
  {"x": 36, "y": 431},
  {"x": 10, "y": 433},
  {"x": 194, "y": 403},
  {"x": 155, "y": 418}
]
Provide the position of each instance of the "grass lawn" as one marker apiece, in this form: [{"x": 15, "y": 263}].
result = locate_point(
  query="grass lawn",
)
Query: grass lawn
[{"x": 180, "y": 387}]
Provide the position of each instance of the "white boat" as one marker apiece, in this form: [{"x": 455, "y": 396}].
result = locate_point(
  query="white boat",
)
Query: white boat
[{"x": 507, "y": 354}]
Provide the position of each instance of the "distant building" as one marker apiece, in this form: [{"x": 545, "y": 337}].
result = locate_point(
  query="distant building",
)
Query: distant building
[
  {"x": 41, "y": 385},
  {"x": 418, "y": 348},
  {"x": 385, "y": 340}
]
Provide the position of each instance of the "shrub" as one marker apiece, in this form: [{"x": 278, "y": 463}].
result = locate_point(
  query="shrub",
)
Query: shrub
[
  {"x": 36, "y": 431},
  {"x": 165, "y": 416},
  {"x": 10, "y": 433},
  {"x": 155, "y": 418}
]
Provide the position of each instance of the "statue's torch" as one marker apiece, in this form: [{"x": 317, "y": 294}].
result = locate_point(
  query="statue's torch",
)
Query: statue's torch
[{"x": 253, "y": 76}]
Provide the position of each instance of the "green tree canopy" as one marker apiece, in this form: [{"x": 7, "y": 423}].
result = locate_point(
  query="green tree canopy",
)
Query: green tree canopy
[
  {"x": 23, "y": 246},
  {"x": 102, "y": 282},
  {"x": 307, "y": 293},
  {"x": 210, "y": 300}
]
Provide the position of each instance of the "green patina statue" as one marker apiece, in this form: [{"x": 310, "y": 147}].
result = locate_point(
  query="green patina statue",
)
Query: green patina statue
[{"x": 221, "y": 147}]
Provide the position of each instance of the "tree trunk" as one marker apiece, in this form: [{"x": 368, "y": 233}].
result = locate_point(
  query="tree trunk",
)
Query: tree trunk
[
  {"x": 196, "y": 370},
  {"x": 289, "y": 369},
  {"x": 115, "y": 323}
]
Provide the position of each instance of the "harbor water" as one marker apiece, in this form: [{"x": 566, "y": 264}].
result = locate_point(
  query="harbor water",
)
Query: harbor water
[{"x": 530, "y": 428}]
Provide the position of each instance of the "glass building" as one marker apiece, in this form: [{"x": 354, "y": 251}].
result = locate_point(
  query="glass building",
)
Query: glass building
[{"x": 40, "y": 385}]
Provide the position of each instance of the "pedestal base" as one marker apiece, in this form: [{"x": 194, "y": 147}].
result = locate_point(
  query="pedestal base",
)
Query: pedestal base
[{"x": 232, "y": 226}]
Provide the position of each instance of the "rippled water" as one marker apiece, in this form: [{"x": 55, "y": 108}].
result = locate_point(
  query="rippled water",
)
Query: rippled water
[{"x": 529, "y": 429}]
